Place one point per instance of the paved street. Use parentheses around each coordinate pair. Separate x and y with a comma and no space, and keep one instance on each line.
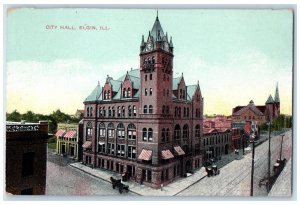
(234,178)
(64,180)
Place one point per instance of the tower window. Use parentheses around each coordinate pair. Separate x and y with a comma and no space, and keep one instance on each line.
(128,92)
(150,92)
(150,109)
(145,108)
(150,76)
(146,92)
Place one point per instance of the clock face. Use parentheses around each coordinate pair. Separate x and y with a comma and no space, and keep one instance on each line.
(149,46)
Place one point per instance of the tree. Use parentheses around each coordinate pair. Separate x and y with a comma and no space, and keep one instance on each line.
(15,116)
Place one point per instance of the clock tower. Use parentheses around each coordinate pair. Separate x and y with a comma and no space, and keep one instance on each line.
(156,71)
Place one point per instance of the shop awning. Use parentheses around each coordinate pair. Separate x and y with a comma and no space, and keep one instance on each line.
(60,133)
(70,134)
(87,144)
(179,151)
(167,154)
(145,155)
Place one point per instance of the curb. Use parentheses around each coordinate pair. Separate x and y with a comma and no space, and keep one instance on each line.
(99,177)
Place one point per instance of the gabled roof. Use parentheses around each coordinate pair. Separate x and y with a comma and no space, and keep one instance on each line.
(250,106)
(176,81)
(191,89)
(95,94)
(115,85)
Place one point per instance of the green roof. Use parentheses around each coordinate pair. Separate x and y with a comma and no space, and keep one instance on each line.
(176,81)
(191,89)
(270,100)
(95,95)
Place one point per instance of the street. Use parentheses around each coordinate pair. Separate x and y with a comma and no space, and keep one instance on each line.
(234,178)
(64,180)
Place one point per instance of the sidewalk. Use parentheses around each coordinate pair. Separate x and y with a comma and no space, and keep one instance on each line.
(169,190)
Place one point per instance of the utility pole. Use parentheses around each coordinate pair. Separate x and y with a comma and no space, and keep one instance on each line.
(269,158)
(281,148)
(252,168)
(253,127)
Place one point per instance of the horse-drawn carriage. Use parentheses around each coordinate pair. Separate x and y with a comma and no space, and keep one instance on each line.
(212,171)
(119,184)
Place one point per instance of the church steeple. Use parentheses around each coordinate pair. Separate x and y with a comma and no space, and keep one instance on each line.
(276,98)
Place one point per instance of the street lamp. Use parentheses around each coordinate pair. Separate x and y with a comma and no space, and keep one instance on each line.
(269,156)
(252,137)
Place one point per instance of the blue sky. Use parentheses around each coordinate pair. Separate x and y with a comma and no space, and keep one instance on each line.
(237,55)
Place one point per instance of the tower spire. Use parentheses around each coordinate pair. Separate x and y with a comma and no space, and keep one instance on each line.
(276,98)
(157,14)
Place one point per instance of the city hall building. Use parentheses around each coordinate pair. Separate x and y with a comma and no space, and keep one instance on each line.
(146,123)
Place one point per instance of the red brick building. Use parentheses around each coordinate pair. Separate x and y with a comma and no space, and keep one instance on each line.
(146,122)
(26,158)
(258,113)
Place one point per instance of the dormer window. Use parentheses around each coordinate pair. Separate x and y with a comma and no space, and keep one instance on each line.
(128,92)
(124,92)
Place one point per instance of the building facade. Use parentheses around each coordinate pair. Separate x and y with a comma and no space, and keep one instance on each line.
(26,158)
(146,122)
(260,113)
(68,138)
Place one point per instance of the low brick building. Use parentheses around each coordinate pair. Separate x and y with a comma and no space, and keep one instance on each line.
(69,136)
(26,158)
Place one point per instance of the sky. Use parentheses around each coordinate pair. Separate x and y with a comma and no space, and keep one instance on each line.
(236,55)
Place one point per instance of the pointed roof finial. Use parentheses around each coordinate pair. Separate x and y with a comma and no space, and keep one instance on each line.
(157,14)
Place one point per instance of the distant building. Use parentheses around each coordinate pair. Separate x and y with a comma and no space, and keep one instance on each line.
(26,158)
(79,114)
(68,140)
(260,113)
(146,122)
(216,142)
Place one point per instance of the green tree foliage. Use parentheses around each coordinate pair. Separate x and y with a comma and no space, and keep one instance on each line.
(54,118)
(283,121)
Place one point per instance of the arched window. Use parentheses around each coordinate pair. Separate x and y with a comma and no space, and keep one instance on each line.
(150,92)
(163,135)
(184,112)
(150,134)
(146,92)
(87,111)
(128,92)
(197,131)
(91,111)
(176,111)
(110,130)
(89,129)
(163,109)
(167,134)
(146,77)
(113,111)
(105,95)
(123,111)
(144,134)
(188,112)
(145,108)
(134,110)
(153,60)
(179,112)
(109,112)
(119,111)
(150,109)
(103,112)
(99,112)
(185,131)
(183,94)
(121,130)
(101,129)
(150,76)
(177,131)
(131,131)
(129,111)
(124,92)
(108,94)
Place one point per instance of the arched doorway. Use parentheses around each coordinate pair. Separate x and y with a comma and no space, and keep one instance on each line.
(188,167)
(226,149)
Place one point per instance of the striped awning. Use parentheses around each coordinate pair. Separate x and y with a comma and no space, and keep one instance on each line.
(87,144)
(60,133)
(145,155)
(70,134)
(166,154)
(179,151)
